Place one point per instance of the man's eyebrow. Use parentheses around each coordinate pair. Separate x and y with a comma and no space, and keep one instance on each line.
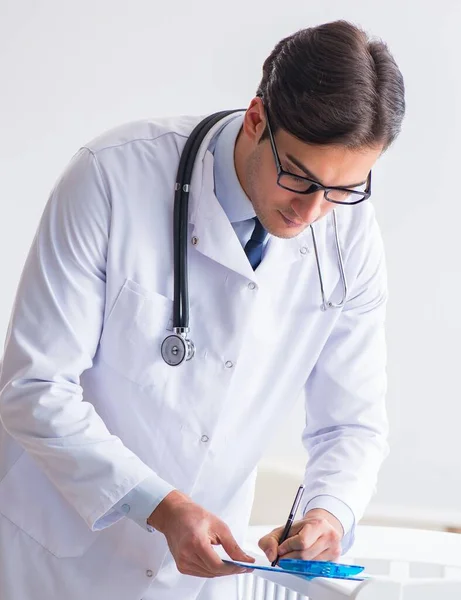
(311,175)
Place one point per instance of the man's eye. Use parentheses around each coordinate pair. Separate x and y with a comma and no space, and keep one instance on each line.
(295,177)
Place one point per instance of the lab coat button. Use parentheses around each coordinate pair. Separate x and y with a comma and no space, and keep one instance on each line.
(229,364)
(205,438)
(194,240)
(304,250)
(149,573)
(126,508)
(252,285)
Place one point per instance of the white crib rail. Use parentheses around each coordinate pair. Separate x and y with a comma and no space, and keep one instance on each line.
(404,565)
(267,586)
(262,587)
(259,588)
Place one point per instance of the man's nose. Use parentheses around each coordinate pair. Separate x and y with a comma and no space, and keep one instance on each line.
(308,208)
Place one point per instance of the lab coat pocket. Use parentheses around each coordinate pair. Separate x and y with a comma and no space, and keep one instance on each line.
(31,502)
(133,334)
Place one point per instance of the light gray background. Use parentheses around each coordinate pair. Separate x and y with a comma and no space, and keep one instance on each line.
(70,70)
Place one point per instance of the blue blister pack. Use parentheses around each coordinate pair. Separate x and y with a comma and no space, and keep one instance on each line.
(320,568)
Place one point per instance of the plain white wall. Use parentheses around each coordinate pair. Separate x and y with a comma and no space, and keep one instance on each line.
(70,70)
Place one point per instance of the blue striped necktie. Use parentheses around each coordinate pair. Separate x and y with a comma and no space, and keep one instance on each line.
(254,246)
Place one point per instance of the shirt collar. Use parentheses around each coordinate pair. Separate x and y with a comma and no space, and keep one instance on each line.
(228,190)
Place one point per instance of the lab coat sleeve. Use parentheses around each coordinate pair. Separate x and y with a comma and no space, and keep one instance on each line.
(139,503)
(52,338)
(337,508)
(346,422)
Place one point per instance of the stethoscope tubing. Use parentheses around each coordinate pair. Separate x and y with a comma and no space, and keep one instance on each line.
(181,216)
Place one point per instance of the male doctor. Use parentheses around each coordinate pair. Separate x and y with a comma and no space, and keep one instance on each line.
(119,472)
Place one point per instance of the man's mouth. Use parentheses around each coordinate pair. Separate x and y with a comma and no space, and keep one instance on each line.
(290,222)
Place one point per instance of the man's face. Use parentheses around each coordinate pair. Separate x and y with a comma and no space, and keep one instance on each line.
(282,212)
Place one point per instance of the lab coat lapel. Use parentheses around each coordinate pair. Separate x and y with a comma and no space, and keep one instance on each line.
(215,236)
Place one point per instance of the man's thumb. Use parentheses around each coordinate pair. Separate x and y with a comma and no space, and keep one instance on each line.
(269,546)
(233,549)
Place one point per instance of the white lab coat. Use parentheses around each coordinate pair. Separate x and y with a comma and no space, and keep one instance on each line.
(89,409)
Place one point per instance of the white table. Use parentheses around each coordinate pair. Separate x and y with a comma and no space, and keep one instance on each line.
(405,564)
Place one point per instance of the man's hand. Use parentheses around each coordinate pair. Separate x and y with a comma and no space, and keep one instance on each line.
(316,537)
(191,531)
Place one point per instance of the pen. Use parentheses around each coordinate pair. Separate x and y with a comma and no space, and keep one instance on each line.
(291,517)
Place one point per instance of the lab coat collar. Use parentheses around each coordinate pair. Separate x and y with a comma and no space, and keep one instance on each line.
(228,188)
(214,234)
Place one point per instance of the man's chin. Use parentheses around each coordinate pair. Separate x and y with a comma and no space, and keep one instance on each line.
(281,227)
(287,233)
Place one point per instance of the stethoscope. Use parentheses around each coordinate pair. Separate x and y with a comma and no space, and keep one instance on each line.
(177,348)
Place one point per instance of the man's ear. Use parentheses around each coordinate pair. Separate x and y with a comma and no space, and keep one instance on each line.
(254,121)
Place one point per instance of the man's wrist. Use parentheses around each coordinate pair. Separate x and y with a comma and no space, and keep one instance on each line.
(336,507)
(321,513)
(163,512)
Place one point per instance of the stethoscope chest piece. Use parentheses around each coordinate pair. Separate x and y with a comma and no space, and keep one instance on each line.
(176,349)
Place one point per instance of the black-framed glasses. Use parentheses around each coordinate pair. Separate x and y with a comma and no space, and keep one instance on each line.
(304,185)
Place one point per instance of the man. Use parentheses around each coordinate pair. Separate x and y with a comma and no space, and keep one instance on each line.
(118,472)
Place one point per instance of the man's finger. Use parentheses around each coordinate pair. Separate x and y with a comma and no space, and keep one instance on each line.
(330,554)
(195,567)
(213,564)
(232,548)
(319,547)
(199,559)
(269,547)
(306,538)
(269,543)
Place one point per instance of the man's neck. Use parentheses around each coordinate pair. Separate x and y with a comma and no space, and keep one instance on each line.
(240,158)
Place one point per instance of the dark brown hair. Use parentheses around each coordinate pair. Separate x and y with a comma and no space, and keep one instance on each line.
(331,84)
